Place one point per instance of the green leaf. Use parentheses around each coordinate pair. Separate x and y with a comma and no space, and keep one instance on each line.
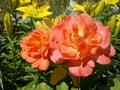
(28,69)
(58,74)
(116,84)
(34,23)
(26,26)
(1,82)
(75,79)
(118,77)
(62,86)
(103,87)
(30,86)
(75,88)
(43,86)
(31,76)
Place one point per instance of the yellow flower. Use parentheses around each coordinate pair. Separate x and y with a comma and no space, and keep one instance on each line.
(18,3)
(112,2)
(48,22)
(57,19)
(34,11)
(97,8)
(118,17)
(80,8)
(24,1)
(40,24)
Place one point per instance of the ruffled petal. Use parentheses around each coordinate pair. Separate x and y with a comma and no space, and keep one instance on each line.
(67,51)
(41,63)
(102,59)
(56,56)
(105,32)
(109,51)
(78,69)
(112,51)
(91,63)
(45,63)
(24,54)
(94,50)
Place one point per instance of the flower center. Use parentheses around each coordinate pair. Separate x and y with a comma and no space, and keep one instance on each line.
(83,43)
(76,38)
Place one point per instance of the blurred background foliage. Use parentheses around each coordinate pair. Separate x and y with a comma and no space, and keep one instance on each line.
(17,74)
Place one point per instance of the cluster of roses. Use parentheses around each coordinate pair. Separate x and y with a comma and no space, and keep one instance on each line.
(78,40)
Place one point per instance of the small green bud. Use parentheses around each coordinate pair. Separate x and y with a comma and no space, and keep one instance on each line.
(8,24)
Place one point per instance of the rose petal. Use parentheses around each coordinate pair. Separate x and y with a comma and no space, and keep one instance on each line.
(42,64)
(94,50)
(102,59)
(105,32)
(77,68)
(67,51)
(56,56)
(34,51)
(24,42)
(112,51)
(91,63)
(109,51)
(24,54)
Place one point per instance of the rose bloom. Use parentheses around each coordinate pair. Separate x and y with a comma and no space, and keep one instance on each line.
(81,41)
(35,48)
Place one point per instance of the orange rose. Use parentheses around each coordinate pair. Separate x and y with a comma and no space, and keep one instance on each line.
(35,48)
(81,41)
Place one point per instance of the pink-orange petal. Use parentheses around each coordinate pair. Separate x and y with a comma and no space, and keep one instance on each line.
(41,63)
(56,56)
(112,51)
(102,59)
(76,68)
(91,63)
(94,50)
(24,42)
(44,64)
(34,51)
(36,63)
(105,32)
(68,51)
(24,54)
(109,51)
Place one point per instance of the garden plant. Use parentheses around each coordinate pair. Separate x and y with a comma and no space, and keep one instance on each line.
(59,44)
